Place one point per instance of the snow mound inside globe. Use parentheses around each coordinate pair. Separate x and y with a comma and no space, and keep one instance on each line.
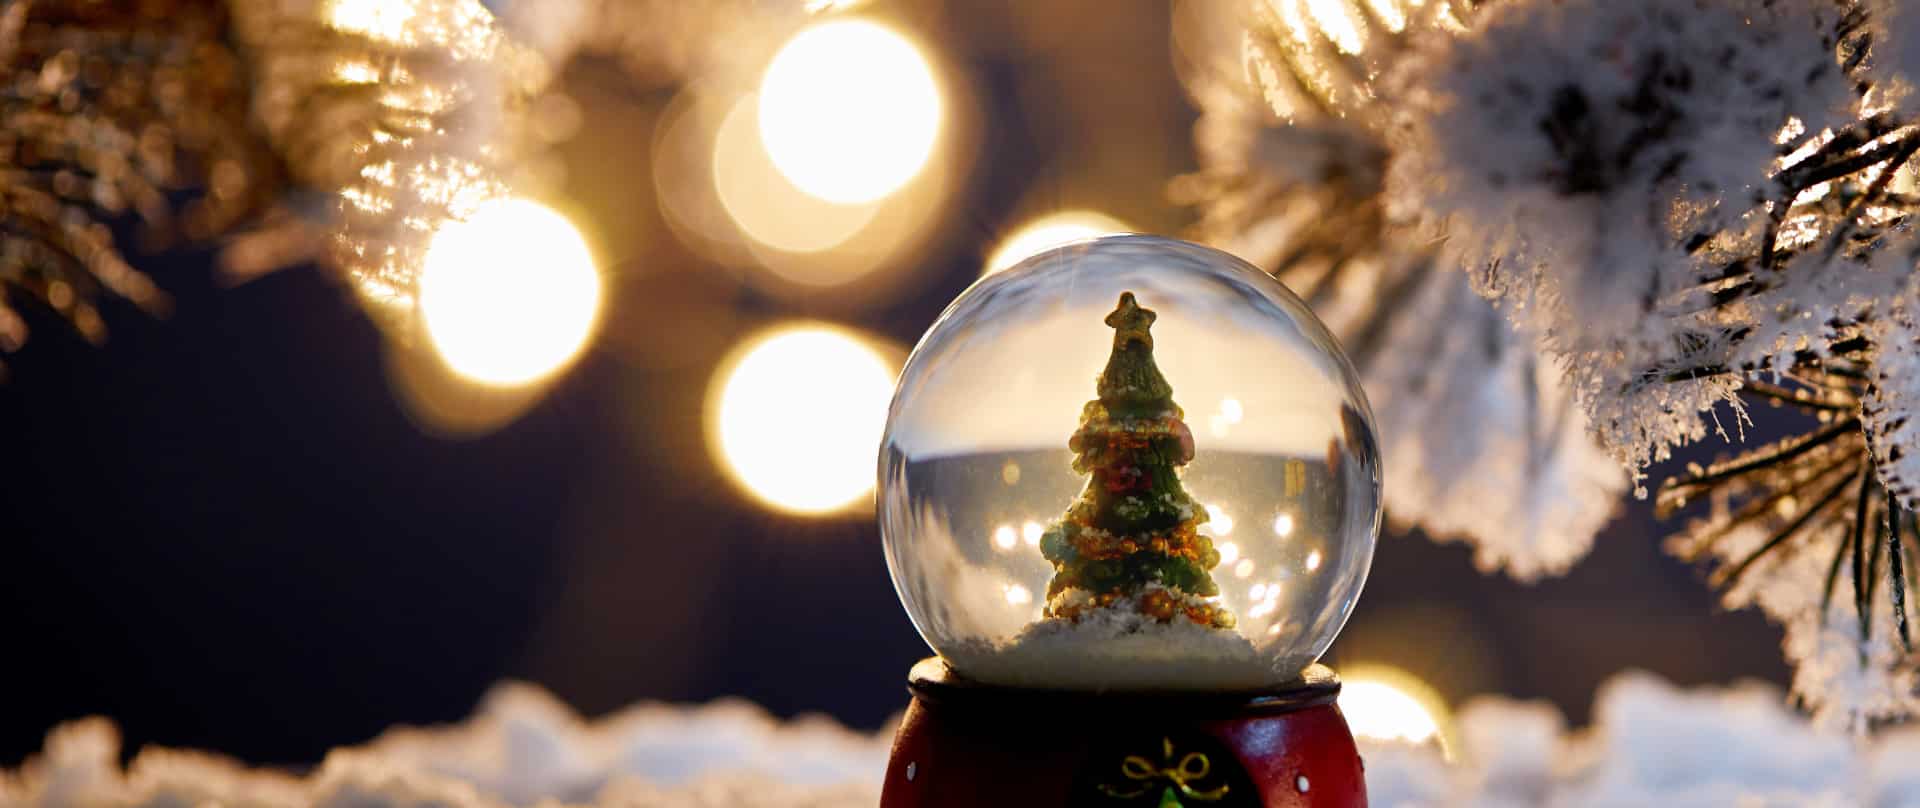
(982,508)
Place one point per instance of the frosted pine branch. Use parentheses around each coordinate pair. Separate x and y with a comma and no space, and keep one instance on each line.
(119,115)
(1708,199)
(409,119)
(1568,152)
(1697,206)
(1889,407)
(1813,541)
(1470,410)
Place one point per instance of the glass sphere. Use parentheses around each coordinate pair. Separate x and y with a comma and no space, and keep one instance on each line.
(1053,518)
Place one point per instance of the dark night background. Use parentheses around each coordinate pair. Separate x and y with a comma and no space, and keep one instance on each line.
(220,529)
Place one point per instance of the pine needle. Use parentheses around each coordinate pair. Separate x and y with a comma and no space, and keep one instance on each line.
(1732,576)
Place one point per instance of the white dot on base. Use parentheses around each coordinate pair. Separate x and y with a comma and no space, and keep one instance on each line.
(1298,782)
(913,768)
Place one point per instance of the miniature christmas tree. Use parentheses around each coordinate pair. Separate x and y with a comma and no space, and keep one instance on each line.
(1131,540)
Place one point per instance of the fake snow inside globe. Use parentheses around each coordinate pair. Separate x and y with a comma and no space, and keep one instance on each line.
(1134,464)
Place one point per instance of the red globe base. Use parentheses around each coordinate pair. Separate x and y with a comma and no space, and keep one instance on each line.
(967,745)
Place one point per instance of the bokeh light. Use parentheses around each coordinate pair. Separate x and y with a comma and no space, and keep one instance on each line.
(447,405)
(510,294)
(466,28)
(1388,704)
(796,416)
(849,110)
(1052,230)
(769,208)
(379,19)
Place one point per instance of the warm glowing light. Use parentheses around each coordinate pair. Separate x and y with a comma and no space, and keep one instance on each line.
(1336,21)
(849,110)
(1219,522)
(380,19)
(1018,595)
(1283,525)
(1243,569)
(1313,560)
(1010,473)
(1229,552)
(1231,412)
(464,27)
(1005,538)
(1390,14)
(510,294)
(1049,231)
(798,417)
(1032,531)
(768,208)
(1387,704)
(445,404)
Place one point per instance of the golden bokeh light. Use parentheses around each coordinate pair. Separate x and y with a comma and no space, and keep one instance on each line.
(465,27)
(509,295)
(445,404)
(1049,231)
(1031,532)
(379,19)
(683,157)
(849,110)
(1339,22)
(768,207)
(1219,522)
(796,415)
(1005,538)
(1388,704)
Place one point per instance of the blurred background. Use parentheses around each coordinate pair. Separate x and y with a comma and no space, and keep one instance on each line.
(266,526)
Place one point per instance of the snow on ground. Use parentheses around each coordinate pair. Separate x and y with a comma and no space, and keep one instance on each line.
(1119,648)
(1652,744)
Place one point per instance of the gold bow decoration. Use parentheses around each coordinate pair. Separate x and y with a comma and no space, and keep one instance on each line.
(1143,775)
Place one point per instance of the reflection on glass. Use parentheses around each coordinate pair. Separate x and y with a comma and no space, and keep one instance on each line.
(1049,231)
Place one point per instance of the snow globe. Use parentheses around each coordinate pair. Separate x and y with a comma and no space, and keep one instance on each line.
(1129,491)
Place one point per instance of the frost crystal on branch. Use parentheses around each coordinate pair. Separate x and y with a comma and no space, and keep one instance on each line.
(1487,446)
(1811,538)
(1893,61)
(1702,199)
(1696,205)
(1887,410)
(1571,153)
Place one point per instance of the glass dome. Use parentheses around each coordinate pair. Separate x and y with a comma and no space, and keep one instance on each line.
(1129,463)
